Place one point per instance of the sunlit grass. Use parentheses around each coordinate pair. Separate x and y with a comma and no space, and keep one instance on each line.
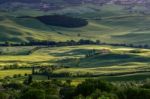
(96,65)
(5,73)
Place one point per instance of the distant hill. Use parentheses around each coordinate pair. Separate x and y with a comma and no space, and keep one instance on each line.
(47,5)
(110,21)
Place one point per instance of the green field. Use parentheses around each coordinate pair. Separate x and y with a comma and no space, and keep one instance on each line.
(10,73)
(74,49)
(122,61)
(109,23)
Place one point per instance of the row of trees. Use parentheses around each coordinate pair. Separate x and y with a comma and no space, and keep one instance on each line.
(71,43)
(52,43)
(132,45)
(49,72)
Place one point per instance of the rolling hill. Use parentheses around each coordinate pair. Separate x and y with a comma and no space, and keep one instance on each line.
(110,23)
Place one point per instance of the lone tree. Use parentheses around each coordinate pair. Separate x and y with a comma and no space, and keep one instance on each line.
(29,80)
(33,70)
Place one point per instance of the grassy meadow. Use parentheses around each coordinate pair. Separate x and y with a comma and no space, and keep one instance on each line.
(120,62)
(89,51)
(11,73)
(109,23)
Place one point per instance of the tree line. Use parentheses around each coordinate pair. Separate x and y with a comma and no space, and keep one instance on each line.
(52,43)
(72,43)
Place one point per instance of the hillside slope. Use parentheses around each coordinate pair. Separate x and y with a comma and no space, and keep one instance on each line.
(108,23)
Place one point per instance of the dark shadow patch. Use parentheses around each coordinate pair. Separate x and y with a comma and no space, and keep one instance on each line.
(62,21)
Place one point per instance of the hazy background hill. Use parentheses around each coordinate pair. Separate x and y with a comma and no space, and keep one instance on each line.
(113,21)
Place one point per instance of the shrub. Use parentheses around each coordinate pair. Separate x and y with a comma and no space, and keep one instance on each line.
(4,95)
(134,93)
(33,94)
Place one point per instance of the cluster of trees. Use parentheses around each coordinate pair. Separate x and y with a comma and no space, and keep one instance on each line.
(14,66)
(50,74)
(48,71)
(98,89)
(17,66)
(88,89)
